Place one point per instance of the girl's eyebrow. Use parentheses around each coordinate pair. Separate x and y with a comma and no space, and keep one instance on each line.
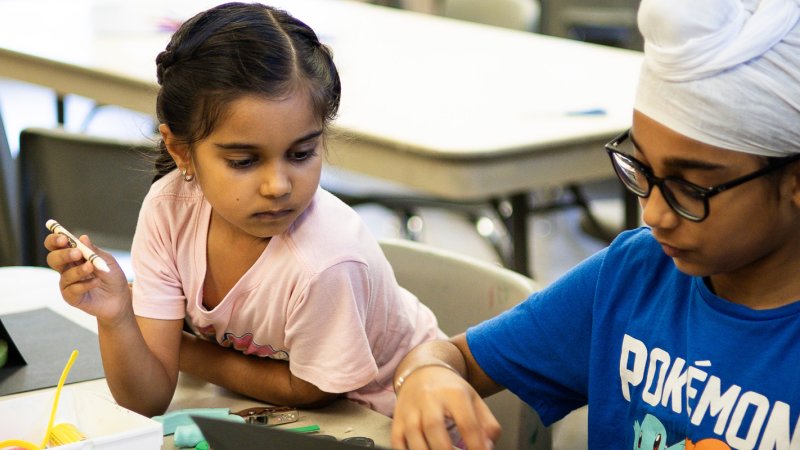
(310,136)
(682,163)
(248,146)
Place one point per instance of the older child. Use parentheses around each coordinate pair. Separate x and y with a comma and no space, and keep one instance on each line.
(289,297)
(683,334)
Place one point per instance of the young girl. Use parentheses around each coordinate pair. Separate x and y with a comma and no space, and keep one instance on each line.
(288,296)
(685,334)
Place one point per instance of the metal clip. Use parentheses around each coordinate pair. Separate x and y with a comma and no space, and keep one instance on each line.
(269,415)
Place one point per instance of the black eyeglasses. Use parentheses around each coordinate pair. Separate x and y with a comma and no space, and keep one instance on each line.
(687,199)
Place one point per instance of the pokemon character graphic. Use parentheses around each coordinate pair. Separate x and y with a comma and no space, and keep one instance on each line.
(707,444)
(651,435)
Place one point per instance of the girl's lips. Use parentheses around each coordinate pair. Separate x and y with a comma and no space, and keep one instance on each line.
(671,251)
(273,214)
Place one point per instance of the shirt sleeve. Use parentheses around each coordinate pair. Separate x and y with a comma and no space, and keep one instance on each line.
(157,289)
(540,349)
(326,330)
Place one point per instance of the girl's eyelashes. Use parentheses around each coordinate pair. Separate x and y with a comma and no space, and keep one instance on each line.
(304,150)
(301,155)
(293,156)
(244,161)
(240,163)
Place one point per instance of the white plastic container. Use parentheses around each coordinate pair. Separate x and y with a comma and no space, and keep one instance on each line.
(106,425)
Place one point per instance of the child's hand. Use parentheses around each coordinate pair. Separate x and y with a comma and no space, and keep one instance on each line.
(106,296)
(431,397)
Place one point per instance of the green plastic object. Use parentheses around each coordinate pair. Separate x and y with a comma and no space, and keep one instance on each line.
(202,445)
(172,420)
(305,429)
(3,352)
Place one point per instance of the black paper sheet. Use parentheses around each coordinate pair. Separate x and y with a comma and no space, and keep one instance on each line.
(44,340)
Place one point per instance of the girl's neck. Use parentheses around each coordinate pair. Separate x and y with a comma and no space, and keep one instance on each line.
(228,257)
(769,283)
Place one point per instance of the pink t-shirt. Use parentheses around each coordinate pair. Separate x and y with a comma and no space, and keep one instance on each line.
(321,296)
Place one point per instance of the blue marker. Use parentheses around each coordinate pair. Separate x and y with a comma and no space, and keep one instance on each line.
(588,112)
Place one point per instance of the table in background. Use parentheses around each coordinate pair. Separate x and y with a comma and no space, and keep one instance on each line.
(27,288)
(457,110)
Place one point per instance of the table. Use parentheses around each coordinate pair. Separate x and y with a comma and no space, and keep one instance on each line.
(460,111)
(27,288)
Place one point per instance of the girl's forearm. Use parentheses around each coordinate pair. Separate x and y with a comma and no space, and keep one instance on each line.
(453,354)
(264,379)
(433,353)
(136,377)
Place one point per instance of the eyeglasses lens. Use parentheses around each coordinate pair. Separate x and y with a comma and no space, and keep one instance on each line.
(685,199)
(682,197)
(630,174)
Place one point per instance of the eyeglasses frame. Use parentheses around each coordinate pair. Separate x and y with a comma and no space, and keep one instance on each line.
(703,193)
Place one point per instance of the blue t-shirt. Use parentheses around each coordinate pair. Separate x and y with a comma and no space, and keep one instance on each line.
(660,359)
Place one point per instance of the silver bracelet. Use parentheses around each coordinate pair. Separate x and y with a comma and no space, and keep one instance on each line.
(398,382)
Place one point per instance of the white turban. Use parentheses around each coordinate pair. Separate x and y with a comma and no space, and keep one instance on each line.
(724,72)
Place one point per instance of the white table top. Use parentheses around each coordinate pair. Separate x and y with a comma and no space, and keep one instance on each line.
(27,288)
(452,108)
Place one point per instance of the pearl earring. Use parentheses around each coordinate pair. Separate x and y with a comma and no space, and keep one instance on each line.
(186,176)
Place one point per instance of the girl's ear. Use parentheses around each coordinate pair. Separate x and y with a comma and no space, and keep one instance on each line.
(177,149)
(794,178)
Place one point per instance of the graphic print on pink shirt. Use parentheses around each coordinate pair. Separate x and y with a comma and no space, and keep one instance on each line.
(246,345)
(243,343)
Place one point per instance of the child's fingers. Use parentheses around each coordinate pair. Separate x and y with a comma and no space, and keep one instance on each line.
(489,424)
(436,435)
(422,429)
(76,281)
(76,274)
(468,420)
(60,255)
(55,242)
(62,259)
(74,289)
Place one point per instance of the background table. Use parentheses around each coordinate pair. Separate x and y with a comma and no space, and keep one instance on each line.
(27,288)
(461,111)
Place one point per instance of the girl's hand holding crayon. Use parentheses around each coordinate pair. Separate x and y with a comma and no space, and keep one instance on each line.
(103,295)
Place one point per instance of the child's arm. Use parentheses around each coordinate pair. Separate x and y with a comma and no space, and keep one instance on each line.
(441,380)
(265,379)
(140,359)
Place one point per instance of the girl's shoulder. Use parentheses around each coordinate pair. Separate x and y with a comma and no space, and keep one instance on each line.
(173,186)
(635,256)
(171,204)
(636,243)
(328,217)
(633,253)
(330,231)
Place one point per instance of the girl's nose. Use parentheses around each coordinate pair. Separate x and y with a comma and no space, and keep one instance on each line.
(656,212)
(275,182)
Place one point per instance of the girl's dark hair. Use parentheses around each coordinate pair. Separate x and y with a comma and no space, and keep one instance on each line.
(232,50)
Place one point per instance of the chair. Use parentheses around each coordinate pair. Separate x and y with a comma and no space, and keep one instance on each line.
(9,214)
(610,22)
(91,185)
(515,14)
(464,291)
(407,205)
